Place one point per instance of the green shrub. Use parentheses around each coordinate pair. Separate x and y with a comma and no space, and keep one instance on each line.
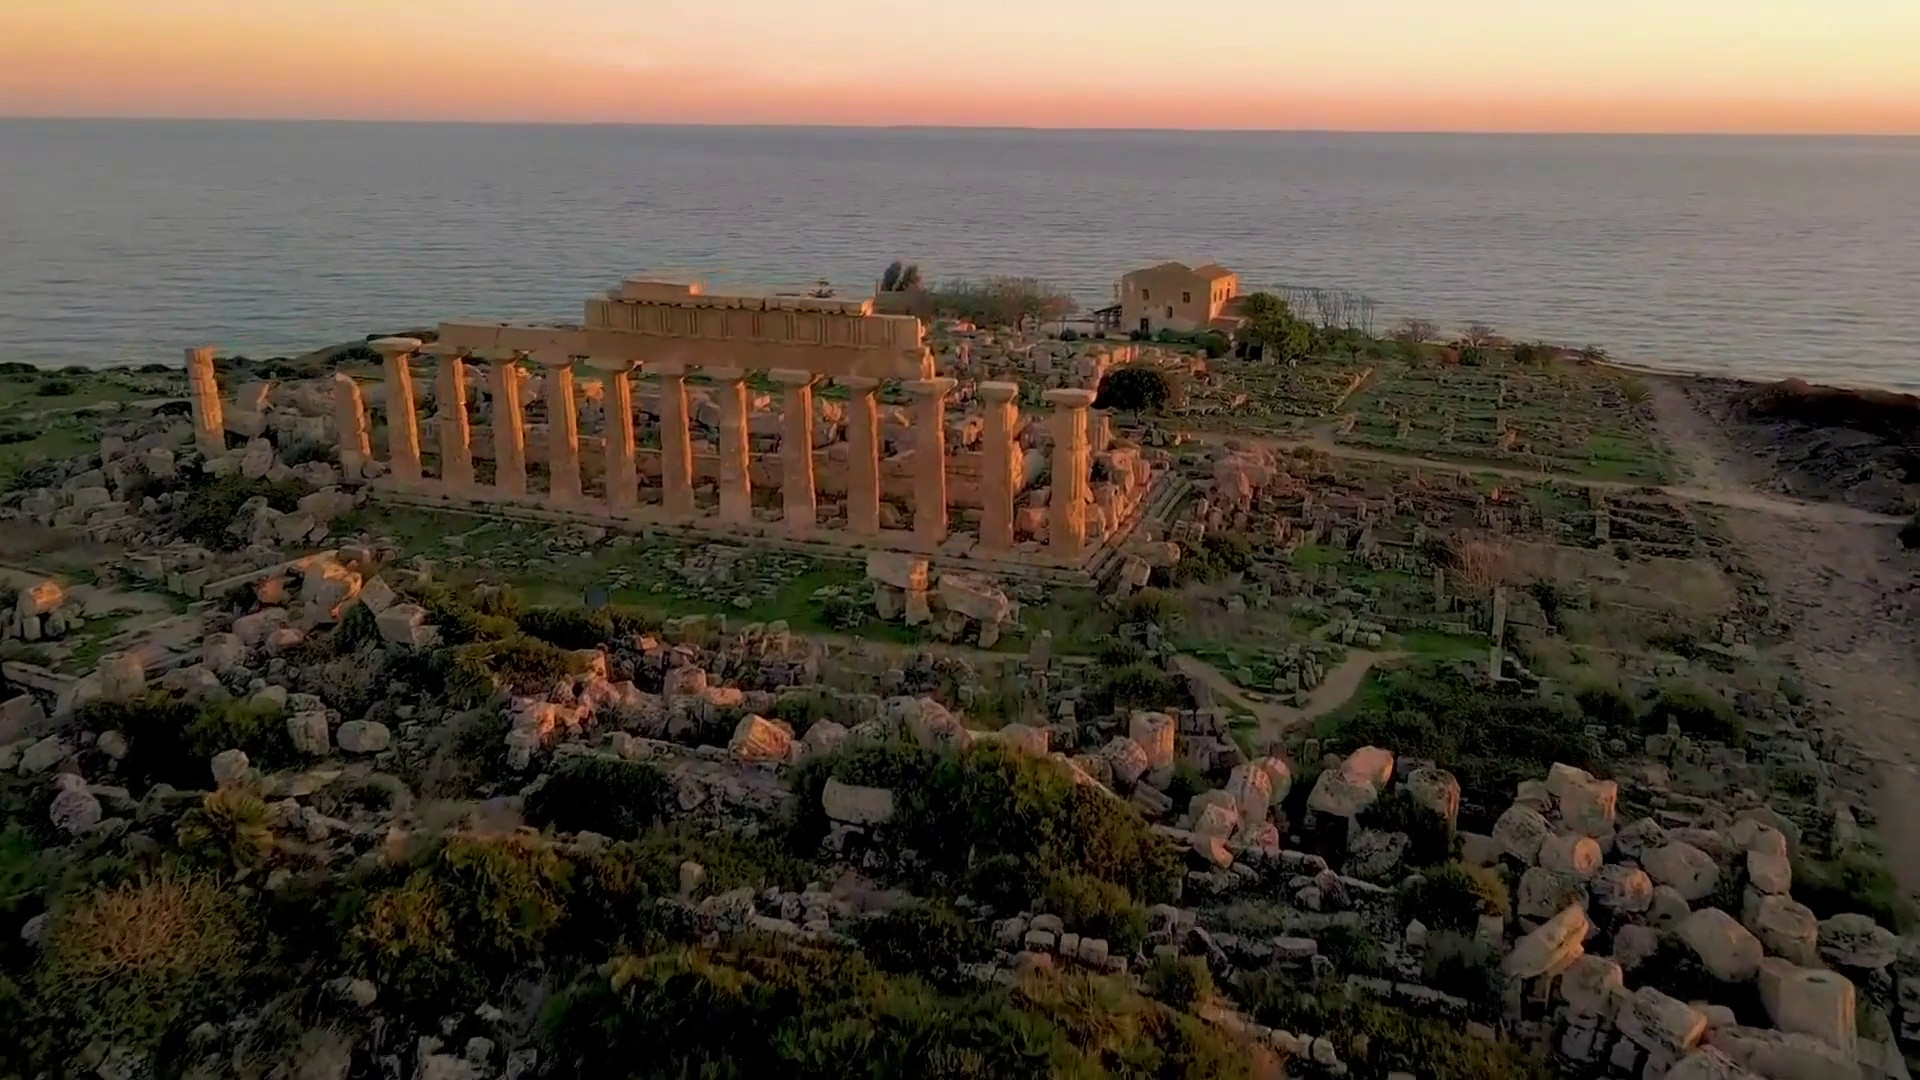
(1138,686)
(995,822)
(1857,881)
(1465,965)
(205,508)
(807,706)
(470,913)
(1098,909)
(1700,713)
(1489,738)
(1454,896)
(1215,344)
(923,937)
(615,798)
(1429,836)
(1149,606)
(170,739)
(229,830)
(1133,388)
(1187,782)
(569,628)
(1396,1040)
(55,388)
(1608,706)
(1180,981)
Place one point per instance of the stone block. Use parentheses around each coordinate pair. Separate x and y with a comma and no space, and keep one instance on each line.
(1661,1024)
(364,737)
(756,738)
(1728,950)
(1691,872)
(1520,831)
(856,805)
(1550,946)
(1811,1002)
(900,571)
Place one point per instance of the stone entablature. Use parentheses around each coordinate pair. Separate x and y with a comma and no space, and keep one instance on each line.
(799,343)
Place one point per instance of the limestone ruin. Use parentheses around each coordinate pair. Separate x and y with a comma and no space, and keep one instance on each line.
(1039,498)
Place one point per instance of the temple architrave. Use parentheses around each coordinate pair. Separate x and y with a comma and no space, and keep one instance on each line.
(650,418)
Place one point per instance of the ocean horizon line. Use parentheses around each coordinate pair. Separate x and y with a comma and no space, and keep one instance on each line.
(667,125)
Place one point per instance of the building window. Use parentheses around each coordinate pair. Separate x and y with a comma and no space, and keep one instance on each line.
(1146,296)
(1186,298)
(1169,311)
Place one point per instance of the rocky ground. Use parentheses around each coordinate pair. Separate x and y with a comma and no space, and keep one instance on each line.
(1360,770)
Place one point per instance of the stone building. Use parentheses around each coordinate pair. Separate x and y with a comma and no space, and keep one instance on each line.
(1175,296)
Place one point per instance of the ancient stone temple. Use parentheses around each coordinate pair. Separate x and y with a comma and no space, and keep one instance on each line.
(803,422)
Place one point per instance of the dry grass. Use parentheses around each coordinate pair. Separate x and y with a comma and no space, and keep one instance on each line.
(1482,565)
(154,930)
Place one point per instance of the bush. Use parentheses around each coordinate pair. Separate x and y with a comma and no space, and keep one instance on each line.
(144,960)
(55,388)
(170,739)
(1489,738)
(922,937)
(1149,606)
(568,628)
(1608,706)
(805,707)
(1180,981)
(1133,388)
(1138,686)
(1094,908)
(996,823)
(1465,965)
(1215,344)
(1454,896)
(206,508)
(1857,881)
(470,913)
(615,798)
(227,831)
(1429,837)
(1699,712)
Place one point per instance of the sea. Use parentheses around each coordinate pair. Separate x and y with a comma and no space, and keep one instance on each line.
(128,241)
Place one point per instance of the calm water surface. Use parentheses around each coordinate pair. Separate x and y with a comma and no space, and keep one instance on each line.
(127,241)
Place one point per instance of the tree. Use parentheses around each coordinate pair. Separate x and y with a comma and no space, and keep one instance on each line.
(900,277)
(1413,331)
(1271,324)
(1478,335)
(1134,388)
(822,289)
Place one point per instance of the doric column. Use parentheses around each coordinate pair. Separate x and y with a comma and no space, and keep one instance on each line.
(209,418)
(456,434)
(403,425)
(736,480)
(1067,524)
(863,454)
(676,439)
(350,416)
(623,479)
(930,458)
(796,451)
(563,431)
(996,465)
(509,430)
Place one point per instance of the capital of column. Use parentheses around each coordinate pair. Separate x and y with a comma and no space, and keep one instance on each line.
(997,392)
(1070,398)
(437,349)
(499,356)
(554,360)
(394,346)
(733,375)
(611,365)
(786,377)
(934,387)
(666,369)
(859,384)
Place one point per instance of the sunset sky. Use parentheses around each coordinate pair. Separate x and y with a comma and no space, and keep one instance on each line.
(1557,65)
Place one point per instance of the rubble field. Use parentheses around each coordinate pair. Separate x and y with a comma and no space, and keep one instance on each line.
(1429,736)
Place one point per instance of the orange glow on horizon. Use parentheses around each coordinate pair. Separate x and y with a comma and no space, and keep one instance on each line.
(435,60)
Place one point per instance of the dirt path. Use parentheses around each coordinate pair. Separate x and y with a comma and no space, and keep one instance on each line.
(1851,595)
(1276,720)
(1708,488)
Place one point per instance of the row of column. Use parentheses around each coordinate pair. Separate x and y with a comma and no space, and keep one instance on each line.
(1000,486)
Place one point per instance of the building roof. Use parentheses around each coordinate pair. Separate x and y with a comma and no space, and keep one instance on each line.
(1206,272)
